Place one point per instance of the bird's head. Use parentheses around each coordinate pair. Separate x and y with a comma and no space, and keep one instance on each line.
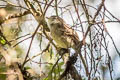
(54,20)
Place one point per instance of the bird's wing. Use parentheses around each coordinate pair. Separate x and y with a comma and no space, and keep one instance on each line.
(72,33)
(67,30)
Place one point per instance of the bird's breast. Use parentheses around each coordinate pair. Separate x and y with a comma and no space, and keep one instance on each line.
(58,38)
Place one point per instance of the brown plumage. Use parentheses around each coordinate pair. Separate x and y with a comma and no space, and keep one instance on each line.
(62,34)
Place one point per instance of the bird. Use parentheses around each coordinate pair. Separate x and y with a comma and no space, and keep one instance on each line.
(62,33)
(65,38)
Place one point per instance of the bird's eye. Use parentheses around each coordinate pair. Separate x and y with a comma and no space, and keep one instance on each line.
(54,17)
(52,24)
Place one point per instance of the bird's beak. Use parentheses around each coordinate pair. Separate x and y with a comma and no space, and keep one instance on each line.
(47,18)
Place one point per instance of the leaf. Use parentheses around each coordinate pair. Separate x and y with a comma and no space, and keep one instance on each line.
(2,69)
(61,63)
(2,40)
(2,76)
(51,52)
(27,67)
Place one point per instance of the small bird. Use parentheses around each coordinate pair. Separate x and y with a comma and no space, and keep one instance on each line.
(61,33)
